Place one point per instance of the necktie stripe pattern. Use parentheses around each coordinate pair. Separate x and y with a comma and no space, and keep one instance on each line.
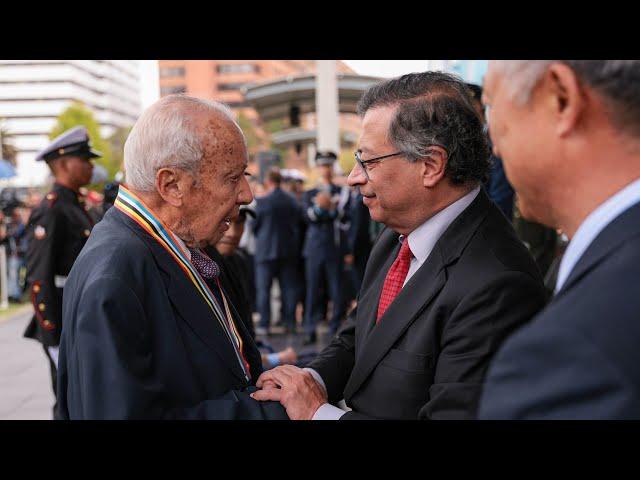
(395,278)
(135,209)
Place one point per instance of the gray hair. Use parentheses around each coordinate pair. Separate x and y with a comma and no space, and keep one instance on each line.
(164,136)
(434,108)
(617,81)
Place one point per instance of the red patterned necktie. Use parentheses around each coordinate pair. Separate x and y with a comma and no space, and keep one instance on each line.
(395,278)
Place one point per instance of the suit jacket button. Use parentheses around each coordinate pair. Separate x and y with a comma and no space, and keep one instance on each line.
(87,233)
(42,307)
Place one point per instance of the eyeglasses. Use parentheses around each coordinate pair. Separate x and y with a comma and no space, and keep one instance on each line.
(363,163)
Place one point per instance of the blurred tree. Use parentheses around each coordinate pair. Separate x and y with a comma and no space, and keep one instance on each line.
(116,143)
(78,114)
(254,142)
(346,160)
(8,151)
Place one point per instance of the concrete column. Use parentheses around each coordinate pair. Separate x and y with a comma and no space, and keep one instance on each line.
(327,119)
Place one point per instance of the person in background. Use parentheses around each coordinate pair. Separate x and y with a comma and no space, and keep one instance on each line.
(57,231)
(326,209)
(235,278)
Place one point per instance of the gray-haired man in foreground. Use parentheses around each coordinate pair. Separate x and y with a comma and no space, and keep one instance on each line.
(149,333)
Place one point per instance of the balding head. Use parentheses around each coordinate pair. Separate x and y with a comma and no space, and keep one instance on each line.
(176,131)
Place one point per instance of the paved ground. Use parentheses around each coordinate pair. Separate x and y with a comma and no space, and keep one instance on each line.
(25,381)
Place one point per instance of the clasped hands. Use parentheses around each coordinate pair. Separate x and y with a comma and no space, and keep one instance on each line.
(294,388)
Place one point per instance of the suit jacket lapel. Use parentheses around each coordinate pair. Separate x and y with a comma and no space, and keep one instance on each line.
(624,227)
(189,303)
(415,296)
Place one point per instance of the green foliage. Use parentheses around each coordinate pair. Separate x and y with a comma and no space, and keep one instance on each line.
(346,160)
(116,143)
(7,151)
(78,114)
(249,130)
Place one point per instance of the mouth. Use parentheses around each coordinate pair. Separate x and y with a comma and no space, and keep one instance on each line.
(226,223)
(368,198)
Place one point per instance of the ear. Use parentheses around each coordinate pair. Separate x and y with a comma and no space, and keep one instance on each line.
(433,166)
(567,99)
(171,184)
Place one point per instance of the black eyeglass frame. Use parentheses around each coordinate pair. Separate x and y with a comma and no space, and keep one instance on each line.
(363,163)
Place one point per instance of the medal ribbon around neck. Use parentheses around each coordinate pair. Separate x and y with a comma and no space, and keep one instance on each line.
(135,209)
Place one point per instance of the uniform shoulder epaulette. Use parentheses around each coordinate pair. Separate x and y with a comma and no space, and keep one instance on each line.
(51,198)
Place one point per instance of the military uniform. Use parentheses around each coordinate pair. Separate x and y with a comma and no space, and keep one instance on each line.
(324,248)
(57,230)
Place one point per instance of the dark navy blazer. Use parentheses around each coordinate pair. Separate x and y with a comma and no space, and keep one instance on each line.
(277,226)
(580,357)
(139,342)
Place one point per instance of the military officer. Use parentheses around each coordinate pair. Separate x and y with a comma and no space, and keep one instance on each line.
(326,210)
(57,230)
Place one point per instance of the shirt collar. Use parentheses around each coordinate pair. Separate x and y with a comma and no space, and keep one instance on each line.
(595,222)
(182,245)
(424,238)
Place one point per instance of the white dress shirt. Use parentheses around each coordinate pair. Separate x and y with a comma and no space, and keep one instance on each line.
(595,222)
(421,242)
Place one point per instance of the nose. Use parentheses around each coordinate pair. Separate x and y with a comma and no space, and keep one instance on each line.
(244,196)
(356,176)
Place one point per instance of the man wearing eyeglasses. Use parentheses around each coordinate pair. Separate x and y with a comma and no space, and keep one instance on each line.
(446,281)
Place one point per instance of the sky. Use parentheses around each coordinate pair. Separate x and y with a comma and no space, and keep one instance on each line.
(387,68)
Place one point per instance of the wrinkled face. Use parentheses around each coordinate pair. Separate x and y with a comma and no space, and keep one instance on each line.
(78,170)
(522,137)
(231,238)
(390,190)
(220,187)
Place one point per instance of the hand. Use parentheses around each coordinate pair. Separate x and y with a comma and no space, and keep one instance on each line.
(348,259)
(323,200)
(299,393)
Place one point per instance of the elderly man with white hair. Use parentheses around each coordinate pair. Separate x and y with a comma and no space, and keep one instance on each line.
(568,132)
(149,331)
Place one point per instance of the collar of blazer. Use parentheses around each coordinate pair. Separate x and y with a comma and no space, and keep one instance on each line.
(188,303)
(420,290)
(620,230)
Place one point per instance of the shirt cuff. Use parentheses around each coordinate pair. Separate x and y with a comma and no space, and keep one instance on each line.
(328,412)
(316,376)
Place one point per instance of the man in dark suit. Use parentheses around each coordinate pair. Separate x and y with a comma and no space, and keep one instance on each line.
(149,332)
(277,237)
(577,359)
(326,209)
(446,281)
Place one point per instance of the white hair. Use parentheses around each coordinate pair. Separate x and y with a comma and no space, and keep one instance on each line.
(616,81)
(522,75)
(165,136)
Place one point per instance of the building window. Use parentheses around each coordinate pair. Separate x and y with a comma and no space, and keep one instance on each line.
(225,87)
(238,68)
(172,89)
(166,72)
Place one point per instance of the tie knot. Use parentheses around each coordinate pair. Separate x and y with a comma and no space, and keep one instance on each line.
(405,249)
(207,267)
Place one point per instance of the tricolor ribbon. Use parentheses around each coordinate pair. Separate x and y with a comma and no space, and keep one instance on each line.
(135,208)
